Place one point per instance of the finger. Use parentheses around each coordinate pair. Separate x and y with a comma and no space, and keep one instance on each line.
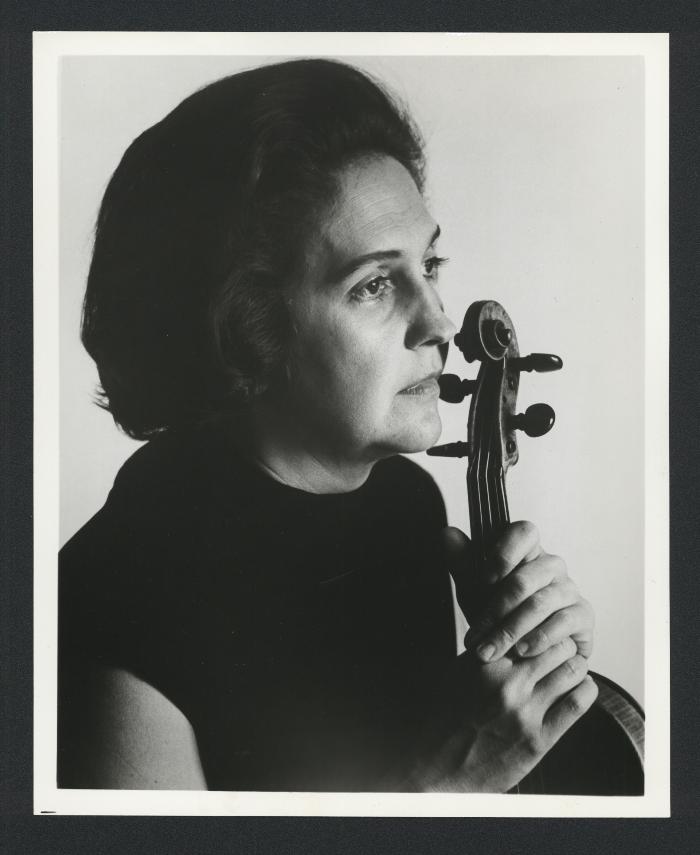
(519,542)
(540,666)
(517,587)
(561,680)
(534,611)
(568,710)
(575,621)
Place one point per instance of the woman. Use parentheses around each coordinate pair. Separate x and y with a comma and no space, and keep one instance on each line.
(263,603)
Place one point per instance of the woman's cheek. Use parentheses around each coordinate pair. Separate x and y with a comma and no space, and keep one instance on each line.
(345,360)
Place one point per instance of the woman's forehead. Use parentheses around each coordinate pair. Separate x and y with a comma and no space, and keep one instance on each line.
(377,208)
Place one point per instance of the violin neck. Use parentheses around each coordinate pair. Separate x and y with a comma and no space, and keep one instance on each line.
(486,486)
(488,505)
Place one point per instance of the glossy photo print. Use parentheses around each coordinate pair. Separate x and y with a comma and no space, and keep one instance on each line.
(350,497)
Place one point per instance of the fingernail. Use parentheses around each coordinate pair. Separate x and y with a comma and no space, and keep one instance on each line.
(486,651)
(522,647)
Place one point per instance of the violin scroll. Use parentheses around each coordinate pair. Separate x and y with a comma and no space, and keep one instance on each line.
(487,333)
(488,336)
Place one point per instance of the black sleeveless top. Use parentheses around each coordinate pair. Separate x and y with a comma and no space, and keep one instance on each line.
(300,634)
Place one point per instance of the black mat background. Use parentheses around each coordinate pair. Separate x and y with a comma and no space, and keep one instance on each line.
(23,833)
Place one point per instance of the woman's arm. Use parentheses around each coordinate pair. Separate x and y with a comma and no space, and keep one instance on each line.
(118,732)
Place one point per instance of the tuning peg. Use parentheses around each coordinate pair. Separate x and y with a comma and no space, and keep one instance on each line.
(450,449)
(539,362)
(453,389)
(537,420)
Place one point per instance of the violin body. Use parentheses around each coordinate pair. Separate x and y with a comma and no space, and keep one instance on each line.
(603,753)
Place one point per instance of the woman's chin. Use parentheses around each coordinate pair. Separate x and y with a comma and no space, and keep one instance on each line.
(418,437)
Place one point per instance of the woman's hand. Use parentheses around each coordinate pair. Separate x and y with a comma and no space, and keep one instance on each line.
(531,603)
(503,713)
(499,719)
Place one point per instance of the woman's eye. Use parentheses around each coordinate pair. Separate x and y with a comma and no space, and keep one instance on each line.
(375,289)
(433,264)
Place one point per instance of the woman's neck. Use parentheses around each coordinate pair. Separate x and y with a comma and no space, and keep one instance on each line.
(294,460)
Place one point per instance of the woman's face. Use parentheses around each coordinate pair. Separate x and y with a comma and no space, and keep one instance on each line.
(369,321)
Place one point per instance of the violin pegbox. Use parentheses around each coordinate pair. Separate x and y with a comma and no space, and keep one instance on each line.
(488,336)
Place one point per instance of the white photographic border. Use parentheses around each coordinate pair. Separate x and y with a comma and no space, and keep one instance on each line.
(49,49)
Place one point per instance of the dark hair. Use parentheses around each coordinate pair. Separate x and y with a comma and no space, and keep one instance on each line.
(202,224)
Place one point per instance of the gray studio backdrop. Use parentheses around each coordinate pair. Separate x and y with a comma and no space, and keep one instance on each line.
(536,176)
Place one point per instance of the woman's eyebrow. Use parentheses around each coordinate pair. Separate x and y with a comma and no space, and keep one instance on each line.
(354,264)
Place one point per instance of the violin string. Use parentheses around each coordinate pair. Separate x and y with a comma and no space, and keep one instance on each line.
(487,490)
(499,473)
(477,515)
(483,494)
(499,492)
(491,495)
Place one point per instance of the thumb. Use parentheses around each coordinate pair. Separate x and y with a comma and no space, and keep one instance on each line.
(455,543)
(457,555)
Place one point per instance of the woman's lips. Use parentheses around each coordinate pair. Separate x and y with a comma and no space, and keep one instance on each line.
(429,386)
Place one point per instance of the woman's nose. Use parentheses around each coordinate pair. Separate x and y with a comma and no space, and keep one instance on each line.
(428,322)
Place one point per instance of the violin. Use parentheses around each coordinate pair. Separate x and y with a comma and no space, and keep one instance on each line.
(603,753)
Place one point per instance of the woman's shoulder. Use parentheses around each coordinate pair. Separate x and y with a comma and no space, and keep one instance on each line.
(166,479)
(140,495)
(168,462)
(150,527)
(133,579)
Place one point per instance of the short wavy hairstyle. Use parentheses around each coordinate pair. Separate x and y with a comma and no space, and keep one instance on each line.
(204,223)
